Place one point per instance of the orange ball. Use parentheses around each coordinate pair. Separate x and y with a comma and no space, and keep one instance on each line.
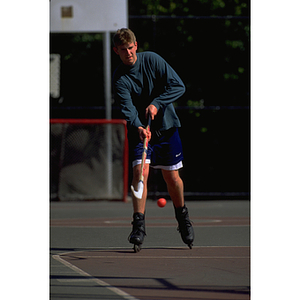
(161,202)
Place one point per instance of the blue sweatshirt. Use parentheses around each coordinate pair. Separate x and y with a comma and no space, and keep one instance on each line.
(151,80)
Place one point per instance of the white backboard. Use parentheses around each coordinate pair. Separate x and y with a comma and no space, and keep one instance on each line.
(88,15)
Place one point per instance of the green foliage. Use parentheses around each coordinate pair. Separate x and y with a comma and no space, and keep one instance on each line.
(216,48)
(189,7)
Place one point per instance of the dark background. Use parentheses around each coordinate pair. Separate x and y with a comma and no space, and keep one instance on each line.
(208,45)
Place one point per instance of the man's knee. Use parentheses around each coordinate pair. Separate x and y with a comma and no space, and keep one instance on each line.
(171,177)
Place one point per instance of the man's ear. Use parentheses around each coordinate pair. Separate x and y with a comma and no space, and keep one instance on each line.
(116,50)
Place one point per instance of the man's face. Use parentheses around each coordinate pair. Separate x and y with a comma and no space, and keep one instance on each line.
(127,53)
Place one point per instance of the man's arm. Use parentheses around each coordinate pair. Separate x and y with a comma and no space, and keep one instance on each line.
(122,95)
(173,86)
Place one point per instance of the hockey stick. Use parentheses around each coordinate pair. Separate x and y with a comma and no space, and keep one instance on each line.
(139,193)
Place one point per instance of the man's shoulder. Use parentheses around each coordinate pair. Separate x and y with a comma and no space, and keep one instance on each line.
(151,57)
(117,73)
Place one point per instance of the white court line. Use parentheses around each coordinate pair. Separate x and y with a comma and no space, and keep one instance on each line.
(98,281)
(145,248)
(76,254)
(160,257)
(72,253)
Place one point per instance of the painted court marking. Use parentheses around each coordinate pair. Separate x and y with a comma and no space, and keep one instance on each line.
(151,221)
(159,257)
(119,292)
(96,249)
(91,278)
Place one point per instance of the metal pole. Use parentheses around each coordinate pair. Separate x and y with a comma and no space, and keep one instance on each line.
(107,75)
(108,97)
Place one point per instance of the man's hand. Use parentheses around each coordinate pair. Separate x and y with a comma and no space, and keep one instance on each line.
(152,111)
(144,133)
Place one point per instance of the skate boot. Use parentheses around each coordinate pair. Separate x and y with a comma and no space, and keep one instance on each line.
(184,225)
(136,237)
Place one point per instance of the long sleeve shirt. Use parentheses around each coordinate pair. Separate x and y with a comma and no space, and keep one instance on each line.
(151,80)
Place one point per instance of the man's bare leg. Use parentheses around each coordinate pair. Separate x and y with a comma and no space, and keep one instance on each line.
(175,189)
(138,232)
(140,204)
(175,186)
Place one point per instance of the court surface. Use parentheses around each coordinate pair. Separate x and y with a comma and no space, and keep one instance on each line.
(90,257)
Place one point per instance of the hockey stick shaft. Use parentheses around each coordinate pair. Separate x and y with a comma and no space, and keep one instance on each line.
(144,155)
(139,193)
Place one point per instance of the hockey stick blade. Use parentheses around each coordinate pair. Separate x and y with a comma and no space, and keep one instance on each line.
(139,193)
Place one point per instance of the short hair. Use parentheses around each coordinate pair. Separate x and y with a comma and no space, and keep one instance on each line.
(124,36)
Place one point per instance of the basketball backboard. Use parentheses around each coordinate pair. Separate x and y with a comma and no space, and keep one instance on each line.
(88,15)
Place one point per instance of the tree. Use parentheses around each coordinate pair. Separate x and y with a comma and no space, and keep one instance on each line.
(207,42)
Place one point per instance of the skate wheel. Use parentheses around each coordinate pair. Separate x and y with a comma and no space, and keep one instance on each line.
(137,248)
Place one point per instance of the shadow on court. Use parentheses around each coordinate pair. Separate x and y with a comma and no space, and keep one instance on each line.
(92,259)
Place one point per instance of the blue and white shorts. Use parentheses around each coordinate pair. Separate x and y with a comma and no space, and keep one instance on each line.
(164,150)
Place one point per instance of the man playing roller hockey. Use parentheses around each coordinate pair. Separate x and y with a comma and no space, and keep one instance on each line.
(146,85)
